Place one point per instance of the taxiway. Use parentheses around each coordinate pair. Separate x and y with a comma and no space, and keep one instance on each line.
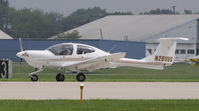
(99,90)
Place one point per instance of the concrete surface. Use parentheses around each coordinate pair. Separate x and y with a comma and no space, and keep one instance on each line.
(99,90)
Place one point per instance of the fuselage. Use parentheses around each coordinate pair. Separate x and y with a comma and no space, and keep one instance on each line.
(81,57)
(56,56)
(70,55)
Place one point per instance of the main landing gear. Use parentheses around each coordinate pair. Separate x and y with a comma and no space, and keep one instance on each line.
(81,77)
(60,77)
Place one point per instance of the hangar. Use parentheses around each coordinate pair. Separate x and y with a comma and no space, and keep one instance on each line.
(9,48)
(146,28)
(3,35)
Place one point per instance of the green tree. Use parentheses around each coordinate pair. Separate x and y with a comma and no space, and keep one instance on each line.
(4,6)
(57,19)
(73,35)
(29,23)
(158,11)
(187,11)
(121,13)
(83,16)
(34,23)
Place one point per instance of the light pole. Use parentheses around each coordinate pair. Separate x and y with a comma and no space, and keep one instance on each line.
(174,9)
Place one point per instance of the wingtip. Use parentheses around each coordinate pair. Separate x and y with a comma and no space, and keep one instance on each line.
(173,38)
(183,38)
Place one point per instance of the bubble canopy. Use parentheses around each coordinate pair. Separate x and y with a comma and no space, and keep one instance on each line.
(68,48)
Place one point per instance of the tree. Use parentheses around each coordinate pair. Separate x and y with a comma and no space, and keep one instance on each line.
(121,13)
(83,16)
(73,35)
(56,19)
(158,11)
(34,23)
(29,23)
(4,6)
(187,11)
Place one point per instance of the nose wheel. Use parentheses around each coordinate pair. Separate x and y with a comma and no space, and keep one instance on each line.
(60,77)
(81,77)
(34,78)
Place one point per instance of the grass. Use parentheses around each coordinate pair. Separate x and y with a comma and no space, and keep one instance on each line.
(174,73)
(99,105)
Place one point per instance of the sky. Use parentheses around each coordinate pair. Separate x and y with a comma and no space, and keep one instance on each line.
(66,7)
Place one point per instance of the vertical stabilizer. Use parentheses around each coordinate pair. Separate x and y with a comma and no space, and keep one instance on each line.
(165,52)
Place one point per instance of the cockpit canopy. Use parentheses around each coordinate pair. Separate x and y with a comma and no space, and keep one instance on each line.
(67,49)
(61,49)
(81,49)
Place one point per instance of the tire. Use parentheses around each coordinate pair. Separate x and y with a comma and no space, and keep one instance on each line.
(34,78)
(60,77)
(81,77)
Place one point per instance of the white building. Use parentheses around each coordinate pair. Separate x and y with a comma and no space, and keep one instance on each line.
(147,28)
(3,35)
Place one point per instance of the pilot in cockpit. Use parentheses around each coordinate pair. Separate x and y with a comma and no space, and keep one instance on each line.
(66,50)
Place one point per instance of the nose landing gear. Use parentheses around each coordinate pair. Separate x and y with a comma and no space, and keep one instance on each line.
(33,76)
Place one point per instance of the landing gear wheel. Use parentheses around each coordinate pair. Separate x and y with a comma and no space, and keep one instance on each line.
(34,78)
(81,77)
(60,77)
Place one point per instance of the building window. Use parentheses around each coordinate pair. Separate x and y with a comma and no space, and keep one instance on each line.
(182,51)
(190,51)
(177,51)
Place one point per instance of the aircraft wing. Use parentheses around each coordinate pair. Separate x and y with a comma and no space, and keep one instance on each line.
(96,63)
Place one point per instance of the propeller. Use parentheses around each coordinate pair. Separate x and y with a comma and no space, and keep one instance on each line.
(21,45)
(21,48)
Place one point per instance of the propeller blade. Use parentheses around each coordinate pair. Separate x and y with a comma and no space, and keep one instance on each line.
(20,44)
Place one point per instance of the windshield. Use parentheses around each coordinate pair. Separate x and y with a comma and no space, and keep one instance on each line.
(61,49)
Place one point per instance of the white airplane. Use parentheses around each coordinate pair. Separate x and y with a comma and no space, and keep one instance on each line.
(80,57)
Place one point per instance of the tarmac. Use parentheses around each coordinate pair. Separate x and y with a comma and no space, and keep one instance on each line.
(98,90)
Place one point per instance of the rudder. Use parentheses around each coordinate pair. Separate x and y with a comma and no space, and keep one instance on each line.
(165,52)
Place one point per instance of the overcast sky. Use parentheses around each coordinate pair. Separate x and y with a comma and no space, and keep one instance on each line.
(68,6)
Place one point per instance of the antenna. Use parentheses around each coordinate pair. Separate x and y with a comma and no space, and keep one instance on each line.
(112,48)
(20,44)
(101,34)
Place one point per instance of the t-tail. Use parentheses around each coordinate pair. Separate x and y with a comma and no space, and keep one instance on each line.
(165,52)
